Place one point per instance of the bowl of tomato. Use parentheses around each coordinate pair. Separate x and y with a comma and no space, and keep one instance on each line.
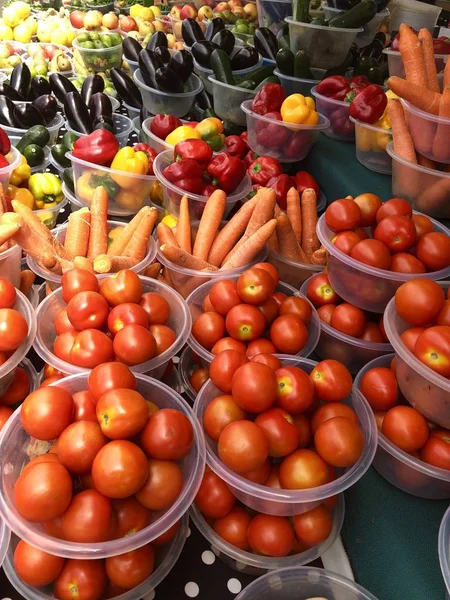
(192,373)
(444,549)
(25,380)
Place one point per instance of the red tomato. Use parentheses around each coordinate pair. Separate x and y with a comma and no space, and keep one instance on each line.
(167,536)
(373,253)
(79,444)
(121,413)
(409,337)
(81,580)
(339,442)
(348,319)
(270,536)
(13,329)
(223,296)
(243,446)
(320,291)
(406,263)
(255,286)
(208,328)
(270,269)
(422,224)
(361,233)
(279,297)
(314,526)
(330,411)
(398,233)
(270,309)
(132,568)
(126,314)
(219,413)
(88,518)
(46,412)
(224,366)
(267,359)
(36,567)
(289,334)
(272,481)
(303,469)
(372,333)
(394,207)
(406,428)
(443,317)
(433,349)
(228,343)
(332,381)
(18,389)
(63,344)
(120,469)
(124,286)
(8,294)
(436,450)
(109,376)
(162,486)
(233,527)
(214,499)
(134,345)
(295,390)
(260,346)
(245,322)
(325,312)
(198,378)
(343,214)
(91,348)
(345,241)
(156,307)
(77,280)
(5,413)
(164,336)
(418,301)
(369,205)
(207,306)
(254,387)
(295,305)
(379,387)
(258,475)
(168,435)
(88,310)
(280,430)
(302,424)
(433,249)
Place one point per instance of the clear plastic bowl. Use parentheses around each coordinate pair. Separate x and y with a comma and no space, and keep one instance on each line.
(304,583)
(369,29)
(5,536)
(100,59)
(53,130)
(293,272)
(14,158)
(76,204)
(133,64)
(338,113)
(415,14)
(152,140)
(59,168)
(33,375)
(351,351)
(23,306)
(254,564)
(296,85)
(402,470)
(49,216)
(180,321)
(444,550)
(300,137)
(290,502)
(172,194)
(271,13)
(395,63)
(123,126)
(156,101)
(187,366)
(10,264)
(47,156)
(424,127)
(228,99)
(326,47)
(195,301)
(364,286)
(371,142)
(205,73)
(132,111)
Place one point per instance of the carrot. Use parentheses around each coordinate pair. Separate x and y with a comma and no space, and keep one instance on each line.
(27,278)
(294,212)
(417,95)
(104,263)
(434,200)
(162,279)
(403,143)
(167,276)
(152,271)
(423,161)
(426,40)
(83,263)
(287,242)
(8,231)
(137,246)
(51,262)
(78,231)
(165,235)
(447,73)
(441,145)
(273,243)
(183,230)
(319,257)
(48,289)
(184,259)
(118,245)
(252,246)
(209,224)
(98,239)
(66,265)
(310,242)
(412,56)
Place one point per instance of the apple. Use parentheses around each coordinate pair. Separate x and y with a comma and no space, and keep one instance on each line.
(251,11)
(239,12)
(93,20)
(128,24)
(175,11)
(234,4)
(139,20)
(159,26)
(205,12)
(178,46)
(4,51)
(188,12)
(32,49)
(110,20)
(51,50)
(77,19)
(222,6)
(145,28)
(135,35)
(171,41)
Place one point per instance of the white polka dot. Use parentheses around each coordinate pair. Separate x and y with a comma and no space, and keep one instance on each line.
(208,557)
(234,585)
(191,590)
(150,595)
(189,532)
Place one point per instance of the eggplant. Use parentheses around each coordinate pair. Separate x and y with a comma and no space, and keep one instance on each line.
(149,62)
(266,43)
(202,51)
(244,58)
(6,112)
(20,79)
(10,92)
(126,88)
(47,106)
(77,113)
(214,26)
(39,87)
(131,49)
(103,122)
(225,40)
(168,81)
(163,54)
(191,32)
(182,64)
(61,86)
(204,100)
(100,105)
(27,115)
(157,40)
(93,84)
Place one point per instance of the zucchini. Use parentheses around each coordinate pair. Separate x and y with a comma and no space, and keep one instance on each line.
(247,84)
(69,140)
(67,177)
(221,66)
(271,79)
(230,128)
(38,134)
(59,154)
(259,75)
(285,61)
(283,42)
(343,67)
(301,65)
(209,112)
(34,155)
(301,11)
(357,16)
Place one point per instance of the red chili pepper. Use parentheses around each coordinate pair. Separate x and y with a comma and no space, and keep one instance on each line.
(263,169)
(249,158)
(236,146)
(227,171)
(269,99)
(183,169)
(5,143)
(281,184)
(99,147)
(305,180)
(162,125)
(150,152)
(271,136)
(198,150)
(335,86)
(369,104)
(208,190)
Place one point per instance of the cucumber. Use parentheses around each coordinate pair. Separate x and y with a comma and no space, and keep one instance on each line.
(258,75)
(271,79)
(285,61)
(59,154)
(283,42)
(34,155)
(301,11)
(221,65)
(301,65)
(38,134)
(357,16)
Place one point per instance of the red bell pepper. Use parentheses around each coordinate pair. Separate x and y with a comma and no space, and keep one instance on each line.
(358,81)
(192,124)
(281,184)
(269,99)
(198,150)
(227,171)
(305,180)
(150,152)
(340,123)
(369,104)
(249,158)
(3,162)
(188,169)
(194,186)
(207,190)
(271,135)
(162,125)
(244,138)
(335,86)
(99,147)
(263,169)
(235,146)
(295,146)
(5,143)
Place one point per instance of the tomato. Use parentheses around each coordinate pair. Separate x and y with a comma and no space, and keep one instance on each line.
(410,336)
(330,411)
(304,428)
(63,345)
(168,435)
(214,499)
(270,309)
(77,280)
(51,380)
(233,527)
(373,253)
(18,389)
(398,233)
(295,305)
(369,205)
(124,286)
(163,485)
(130,516)
(255,286)
(314,526)
(289,334)
(245,322)
(325,312)
(167,536)
(5,413)
(48,457)
(8,293)
(394,207)
(260,346)
(79,444)
(320,291)
(433,349)
(198,378)
(343,214)
(62,323)
(228,343)
(270,269)
(46,412)
(109,376)
(433,249)
(372,333)
(13,329)
(121,413)
(88,310)
(406,428)
(91,347)
(436,450)
(361,233)
(120,469)
(156,307)
(81,580)
(406,263)
(267,359)
(273,481)
(88,518)
(280,430)
(422,224)
(345,241)
(224,295)
(443,317)
(207,306)
(279,297)
(379,387)
(126,314)
(132,568)
(303,469)
(208,328)
(254,387)
(418,301)
(134,345)
(243,446)
(164,336)
(36,567)
(332,381)
(43,492)
(224,366)
(295,390)
(258,475)
(348,319)
(339,442)
(270,536)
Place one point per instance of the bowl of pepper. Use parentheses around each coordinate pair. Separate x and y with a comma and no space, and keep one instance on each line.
(330,96)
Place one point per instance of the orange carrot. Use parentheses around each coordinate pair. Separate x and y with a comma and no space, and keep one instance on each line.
(8,231)
(51,262)
(78,231)
(423,161)
(273,242)
(209,224)
(81,262)
(310,242)
(294,212)
(287,242)
(412,56)
(184,259)
(152,271)
(162,279)
(167,276)
(441,145)
(183,230)
(417,95)
(137,246)
(250,249)
(434,200)
(319,257)
(165,235)
(447,73)
(27,278)
(403,143)
(119,243)
(104,263)
(426,40)
(98,238)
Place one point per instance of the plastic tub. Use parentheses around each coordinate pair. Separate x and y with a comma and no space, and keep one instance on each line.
(195,300)
(49,216)
(364,286)
(338,113)
(326,47)
(205,73)
(290,502)
(34,378)
(424,128)
(395,63)
(295,85)
(14,158)
(413,13)
(59,168)
(156,101)
(5,536)
(123,126)
(100,59)
(299,137)
(10,264)
(132,111)
(53,130)
(227,100)
(291,271)
(152,140)
(17,447)
(187,366)
(371,142)
(172,194)
(254,564)
(369,29)
(76,204)
(444,550)
(271,13)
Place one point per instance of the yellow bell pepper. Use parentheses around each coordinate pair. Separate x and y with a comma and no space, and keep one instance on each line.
(129,161)
(156,193)
(384,121)
(300,110)
(21,173)
(183,133)
(132,200)
(211,130)
(22,195)
(46,189)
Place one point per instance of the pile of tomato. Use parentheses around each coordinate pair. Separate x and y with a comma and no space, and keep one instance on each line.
(13,326)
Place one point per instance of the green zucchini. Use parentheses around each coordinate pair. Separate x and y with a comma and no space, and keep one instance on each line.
(301,65)
(283,42)
(69,140)
(209,112)
(258,75)
(68,179)
(38,134)
(357,16)
(221,65)
(285,61)
(34,155)
(301,11)
(59,154)
(271,79)
(230,128)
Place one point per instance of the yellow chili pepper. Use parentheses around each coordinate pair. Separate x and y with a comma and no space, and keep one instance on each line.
(21,173)
(23,195)
(132,162)
(182,133)
(300,110)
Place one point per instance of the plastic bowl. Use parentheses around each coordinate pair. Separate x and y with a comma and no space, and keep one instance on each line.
(14,158)
(76,204)
(228,99)
(10,264)
(369,29)
(34,378)
(17,447)
(401,469)
(5,536)
(49,216)
(205,73)
(152,140)
(415,14)
(123,126)
(53,130)
(132,111)
(195,300)
(290,502)
(294,143)
(172,194)
(296,85)
(291,271)
(156,101)
(371,142)
(253,564)
(424,129)
(395,63)
(187,366)
(364,286)
(271,13)
(326,47)
(444,550)
(180,321)
(100,59)
(338,113)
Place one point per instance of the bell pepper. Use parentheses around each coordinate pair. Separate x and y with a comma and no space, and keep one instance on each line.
(305,180)
(271,135)
(3,161)
(211,131)
(21,173)
(183,169)
(235,146)
(131,162)
(182,133)
(208,190)
(356,89)
(340,123)
(99,147)
(263,169)
(227,171)
(130,199)
(335,86)
(150,152)
(281,184)
(249,158)
(5,143)
(162,125)
(23,195)
(156,193)
(46,188)
(358,81)
(369,104)
(198,150)
(269,99)
(244,138)
(300,110)
(90,180)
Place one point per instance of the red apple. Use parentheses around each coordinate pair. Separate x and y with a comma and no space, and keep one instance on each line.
(188,12)
(77,19)
(110,20)
(128,24)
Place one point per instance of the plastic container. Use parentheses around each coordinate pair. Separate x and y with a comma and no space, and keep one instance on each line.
(444,551)
(395,63)
(49,216)
(132,111)
(294,141)
(326,47)
(295,85)
(195,300)
(76,204)
(172,194)
(59,168)
(254,564)
(205,73)
(33,375)
(17,447)
(100,59)
(413,13)
(187,366)
(123,126)
(338,113)
(304,583)
(371,142)
(53,130)
(227,100)
(5,536)
(364,286)
(290,502)
(10,264)
(271,13)
(424,128)
(14,158)
(369,29)
(156,101)
(293,272)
